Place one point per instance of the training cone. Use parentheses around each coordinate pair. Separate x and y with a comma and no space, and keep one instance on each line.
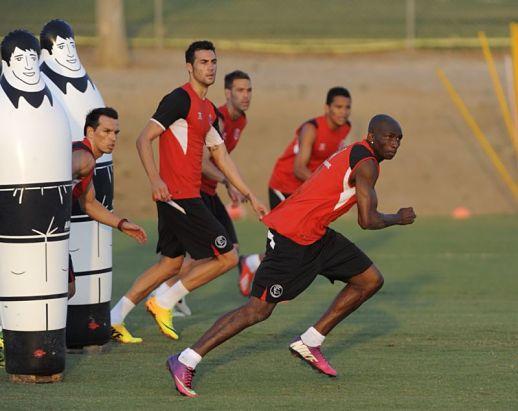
(461,213)
(236,212)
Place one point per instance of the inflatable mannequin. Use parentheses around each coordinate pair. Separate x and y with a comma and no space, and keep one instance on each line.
(35,206)
(88,322)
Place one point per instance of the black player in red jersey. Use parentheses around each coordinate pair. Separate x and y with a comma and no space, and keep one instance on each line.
(185,122)
(301,245)
(101,130)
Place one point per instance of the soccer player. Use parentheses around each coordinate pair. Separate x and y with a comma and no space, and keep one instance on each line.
(314,141)
(100,130)
(232,122)
(301,245)
(185,121)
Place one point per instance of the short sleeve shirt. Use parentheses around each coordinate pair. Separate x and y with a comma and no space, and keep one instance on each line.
(189,123)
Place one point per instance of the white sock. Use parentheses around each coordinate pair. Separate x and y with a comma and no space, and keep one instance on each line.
(121,310)
(162,288)
(190,358)
(170,297)
(253,261)
(312,338)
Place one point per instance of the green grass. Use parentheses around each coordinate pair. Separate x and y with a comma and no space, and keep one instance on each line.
(441,334)
(273,19)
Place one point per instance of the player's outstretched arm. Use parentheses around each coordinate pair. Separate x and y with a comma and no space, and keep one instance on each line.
(228,168)
(369,218)
(151,131)
(307,137)
(99,213)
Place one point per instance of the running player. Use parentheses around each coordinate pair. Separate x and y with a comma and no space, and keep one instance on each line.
(232,122)
(314,141)
(100,130)
(301,245)
(185,121)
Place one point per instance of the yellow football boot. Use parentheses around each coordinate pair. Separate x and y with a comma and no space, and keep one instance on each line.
(163,318)
(121,334)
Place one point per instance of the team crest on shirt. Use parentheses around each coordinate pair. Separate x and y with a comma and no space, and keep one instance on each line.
(322,146)
(276,290)
(200,115)
(220,241)
(237,133)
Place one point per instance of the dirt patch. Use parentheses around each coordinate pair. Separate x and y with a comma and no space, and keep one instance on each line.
(439,166)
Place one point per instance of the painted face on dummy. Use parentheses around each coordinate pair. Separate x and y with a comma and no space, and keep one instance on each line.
(24,66)
(65,54)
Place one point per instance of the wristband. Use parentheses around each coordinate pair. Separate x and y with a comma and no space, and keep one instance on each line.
(121,222)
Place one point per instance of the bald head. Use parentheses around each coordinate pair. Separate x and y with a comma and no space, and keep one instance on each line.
(384,136)
(382,123)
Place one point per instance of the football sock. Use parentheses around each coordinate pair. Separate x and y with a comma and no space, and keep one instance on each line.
(170,297)
(190,358)
(253,261)
(312,338)
(161,288)
(121,310)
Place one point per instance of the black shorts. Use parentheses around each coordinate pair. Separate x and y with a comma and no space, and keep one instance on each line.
(71,273)
(216,207)
(276,197)
(187,225)
(289,268)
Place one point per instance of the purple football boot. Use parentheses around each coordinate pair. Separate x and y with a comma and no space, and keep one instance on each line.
(313,356)
(182,376)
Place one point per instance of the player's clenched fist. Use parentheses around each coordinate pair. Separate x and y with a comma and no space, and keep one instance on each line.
(407,215)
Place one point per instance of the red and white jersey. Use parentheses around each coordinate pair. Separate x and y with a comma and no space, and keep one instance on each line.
(79,185)
(326,143)
(326,195)
(231,133)
(189,123)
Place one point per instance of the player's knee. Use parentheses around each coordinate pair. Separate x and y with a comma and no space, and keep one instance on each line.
(170,266)
(229,260)
(258,311)
(375,283)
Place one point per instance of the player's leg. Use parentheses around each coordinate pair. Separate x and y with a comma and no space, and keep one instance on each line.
(143,285)
(218,210)
(204,238)
(172,254)
(358,290)
(181,366)
(342,261)
(277,279)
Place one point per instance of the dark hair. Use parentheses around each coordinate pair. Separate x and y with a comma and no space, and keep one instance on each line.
(197,45)
(22,39)
(92,118)
(52,30)
(336,91)
(235,75)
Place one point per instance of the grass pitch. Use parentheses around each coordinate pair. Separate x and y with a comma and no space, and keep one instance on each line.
(441,334)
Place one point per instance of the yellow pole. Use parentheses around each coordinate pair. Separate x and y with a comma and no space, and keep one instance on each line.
(514,55)
(479,135)
(499,91)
